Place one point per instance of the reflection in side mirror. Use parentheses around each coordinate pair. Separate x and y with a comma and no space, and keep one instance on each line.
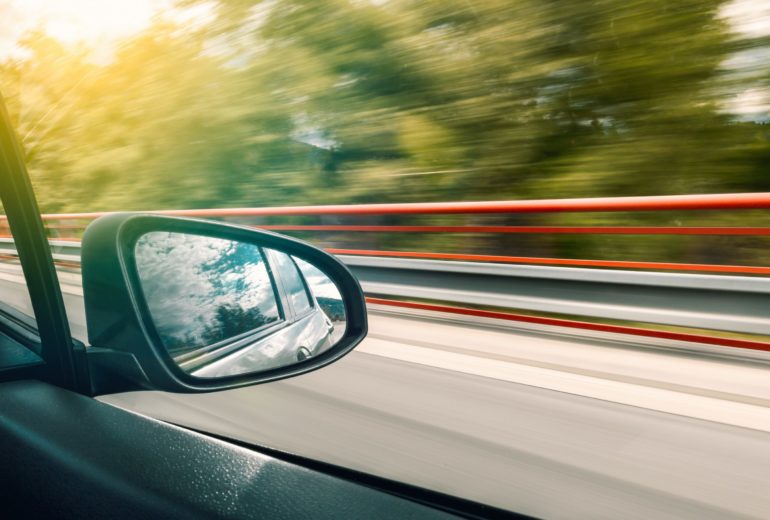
(222,307)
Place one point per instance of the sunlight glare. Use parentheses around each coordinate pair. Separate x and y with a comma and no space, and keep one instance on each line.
(90,21)
(96,24)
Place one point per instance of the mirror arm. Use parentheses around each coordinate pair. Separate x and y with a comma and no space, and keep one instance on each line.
(114,371)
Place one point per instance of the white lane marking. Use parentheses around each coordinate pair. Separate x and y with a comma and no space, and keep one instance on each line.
(662,400)
(688,405)
(597,357)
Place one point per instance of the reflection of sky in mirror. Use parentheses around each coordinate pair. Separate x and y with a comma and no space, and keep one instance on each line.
(201,290)
(320,284)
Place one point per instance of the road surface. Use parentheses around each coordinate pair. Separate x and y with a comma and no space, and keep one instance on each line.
(542,421)
(511,425)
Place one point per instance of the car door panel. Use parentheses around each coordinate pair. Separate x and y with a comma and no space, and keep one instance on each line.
(69,456)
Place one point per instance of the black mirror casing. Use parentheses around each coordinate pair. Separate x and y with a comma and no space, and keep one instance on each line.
(126,351)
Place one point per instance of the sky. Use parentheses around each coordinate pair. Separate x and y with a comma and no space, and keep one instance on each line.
(102,24)
(108,21)
(749,17)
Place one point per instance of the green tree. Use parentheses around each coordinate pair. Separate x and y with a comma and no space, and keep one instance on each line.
(299,102)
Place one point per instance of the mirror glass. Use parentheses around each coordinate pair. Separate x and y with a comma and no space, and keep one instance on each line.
(224,308)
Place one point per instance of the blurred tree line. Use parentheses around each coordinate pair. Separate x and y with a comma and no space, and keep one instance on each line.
(300,102)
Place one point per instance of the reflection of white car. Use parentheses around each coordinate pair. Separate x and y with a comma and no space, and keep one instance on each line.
(304,331)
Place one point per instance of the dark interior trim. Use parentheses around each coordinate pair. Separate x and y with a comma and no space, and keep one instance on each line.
(66,455)
(451,504)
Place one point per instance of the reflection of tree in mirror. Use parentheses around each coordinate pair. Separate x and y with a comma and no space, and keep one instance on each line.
(201,290)
(232,260)
(333,307)
(231,320)
(176,343)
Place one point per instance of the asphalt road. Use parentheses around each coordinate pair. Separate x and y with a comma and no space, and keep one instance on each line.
(543,421)
(477,431)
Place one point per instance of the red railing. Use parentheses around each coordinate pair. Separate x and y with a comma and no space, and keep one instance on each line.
(660,203)
(718,341)
(70,225)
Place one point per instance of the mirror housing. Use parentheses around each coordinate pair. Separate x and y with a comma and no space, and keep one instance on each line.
(126,352)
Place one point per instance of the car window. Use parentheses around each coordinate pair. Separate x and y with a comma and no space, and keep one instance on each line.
(13,284)
(292,282)
(565,338)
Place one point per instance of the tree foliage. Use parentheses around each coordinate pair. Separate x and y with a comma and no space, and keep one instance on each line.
(299,102)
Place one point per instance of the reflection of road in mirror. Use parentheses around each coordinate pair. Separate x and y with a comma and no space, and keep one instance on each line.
(218,311)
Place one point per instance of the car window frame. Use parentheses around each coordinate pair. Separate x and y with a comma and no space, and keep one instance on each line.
(287,295)
(310,296)
(63,358)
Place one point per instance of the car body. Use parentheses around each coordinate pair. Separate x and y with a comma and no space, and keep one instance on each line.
(303,330)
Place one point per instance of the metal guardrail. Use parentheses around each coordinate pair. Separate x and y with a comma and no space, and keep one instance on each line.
(67,251)
(719,297)
(729,303)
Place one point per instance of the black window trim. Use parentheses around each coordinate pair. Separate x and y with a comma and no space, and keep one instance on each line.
(296,316)
(64,358)
(310,296)
(280,285)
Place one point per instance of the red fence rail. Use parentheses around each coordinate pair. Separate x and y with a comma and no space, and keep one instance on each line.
(70,225)
(598,327)
(659,203)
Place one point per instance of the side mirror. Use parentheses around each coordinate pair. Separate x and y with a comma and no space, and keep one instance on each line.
(187,305)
